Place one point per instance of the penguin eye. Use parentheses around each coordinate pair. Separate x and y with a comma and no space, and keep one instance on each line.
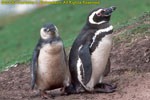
(45,30)
(99,13)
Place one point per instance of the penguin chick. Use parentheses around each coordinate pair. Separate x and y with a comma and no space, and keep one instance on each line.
(89,55)
(49,68)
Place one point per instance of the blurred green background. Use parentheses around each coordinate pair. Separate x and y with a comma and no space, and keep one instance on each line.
(20,33)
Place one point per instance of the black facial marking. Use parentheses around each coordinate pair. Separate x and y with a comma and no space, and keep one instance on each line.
(100,18)
(96,18)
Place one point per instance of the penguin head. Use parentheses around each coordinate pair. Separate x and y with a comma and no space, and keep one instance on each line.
(100,15)
(49,30)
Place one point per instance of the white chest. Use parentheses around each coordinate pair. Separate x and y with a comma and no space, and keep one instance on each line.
(50,56)
(100,55)
(103,48)
(99,59)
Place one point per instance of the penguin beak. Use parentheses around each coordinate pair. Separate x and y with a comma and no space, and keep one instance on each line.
(52,30)
(108,11)
(47,30)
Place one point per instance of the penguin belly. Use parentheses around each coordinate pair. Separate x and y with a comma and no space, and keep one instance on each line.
(99,59)
(51,72)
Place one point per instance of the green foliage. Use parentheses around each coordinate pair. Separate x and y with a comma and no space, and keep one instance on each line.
(19,37)
(134,28)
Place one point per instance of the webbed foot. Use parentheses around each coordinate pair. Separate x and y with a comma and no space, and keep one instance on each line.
(105,88)
(44,95)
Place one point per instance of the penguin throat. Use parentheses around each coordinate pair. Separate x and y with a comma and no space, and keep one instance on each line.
(47,36)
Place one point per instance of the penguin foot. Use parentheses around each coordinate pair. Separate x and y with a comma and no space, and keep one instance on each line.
(44,95)
(70,90)
(106,85)
(62,90)
(105,88)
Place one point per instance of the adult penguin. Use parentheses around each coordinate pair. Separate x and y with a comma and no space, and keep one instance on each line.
(90,53)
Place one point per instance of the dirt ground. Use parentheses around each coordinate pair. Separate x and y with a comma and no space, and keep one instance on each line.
(130,70)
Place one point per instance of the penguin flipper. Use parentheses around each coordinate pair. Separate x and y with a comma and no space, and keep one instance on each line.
(33,67)
(85,57)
